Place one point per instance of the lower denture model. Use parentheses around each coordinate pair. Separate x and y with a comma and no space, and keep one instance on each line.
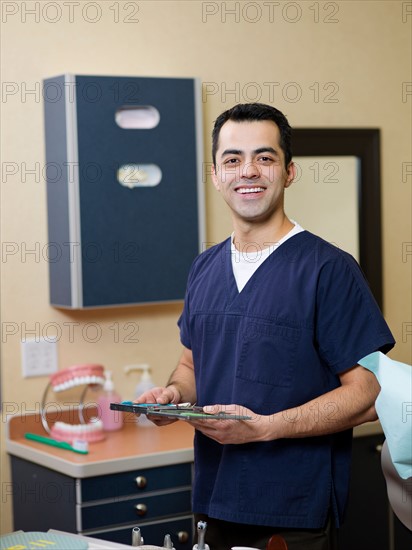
(90,432)
(72,377)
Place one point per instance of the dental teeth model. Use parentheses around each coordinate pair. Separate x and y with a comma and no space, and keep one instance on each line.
(90,432)
(77,375)
(88,375)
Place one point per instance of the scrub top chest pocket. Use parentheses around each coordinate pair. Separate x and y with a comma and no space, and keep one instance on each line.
(268,353)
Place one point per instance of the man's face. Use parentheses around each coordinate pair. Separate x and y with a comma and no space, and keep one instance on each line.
(250,169)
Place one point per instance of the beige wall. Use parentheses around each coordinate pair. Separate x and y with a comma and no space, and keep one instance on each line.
(360,50)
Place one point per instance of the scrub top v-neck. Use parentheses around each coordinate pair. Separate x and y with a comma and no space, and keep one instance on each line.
(247,258)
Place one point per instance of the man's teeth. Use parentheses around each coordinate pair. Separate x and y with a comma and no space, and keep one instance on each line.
(244,190)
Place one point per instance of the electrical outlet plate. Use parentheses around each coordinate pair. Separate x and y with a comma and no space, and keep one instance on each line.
(39,357)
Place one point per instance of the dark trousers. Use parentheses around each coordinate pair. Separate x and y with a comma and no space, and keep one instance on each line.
(222,535)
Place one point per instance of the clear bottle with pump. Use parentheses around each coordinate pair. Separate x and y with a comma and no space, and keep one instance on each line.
(112,420)
(146,383)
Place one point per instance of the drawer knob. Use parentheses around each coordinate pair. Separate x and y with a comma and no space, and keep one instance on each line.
(141,509)
(183,536)
(141,482)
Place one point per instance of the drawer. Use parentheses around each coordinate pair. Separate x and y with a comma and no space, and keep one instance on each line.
(126,511)
(180,530)
(138,481)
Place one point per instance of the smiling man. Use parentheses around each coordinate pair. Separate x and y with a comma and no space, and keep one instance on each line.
(274,333)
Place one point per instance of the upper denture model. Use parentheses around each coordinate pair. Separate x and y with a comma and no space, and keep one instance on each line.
(77,375)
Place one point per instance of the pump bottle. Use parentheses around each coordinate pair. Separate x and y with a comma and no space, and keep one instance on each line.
(112,420)
(146,383)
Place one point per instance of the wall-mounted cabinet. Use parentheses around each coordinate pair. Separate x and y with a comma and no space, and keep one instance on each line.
(124,188)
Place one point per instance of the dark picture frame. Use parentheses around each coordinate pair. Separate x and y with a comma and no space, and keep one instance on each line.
(363,143)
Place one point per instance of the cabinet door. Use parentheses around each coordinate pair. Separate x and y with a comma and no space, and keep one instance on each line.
(366,526)
(123,222)
(42,498)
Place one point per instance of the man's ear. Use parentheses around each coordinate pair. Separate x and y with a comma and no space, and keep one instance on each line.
(215,179)
(291,174)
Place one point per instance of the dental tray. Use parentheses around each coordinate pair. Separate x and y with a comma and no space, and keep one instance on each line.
(183,411)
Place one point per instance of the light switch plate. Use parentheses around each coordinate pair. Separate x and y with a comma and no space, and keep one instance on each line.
(39,357)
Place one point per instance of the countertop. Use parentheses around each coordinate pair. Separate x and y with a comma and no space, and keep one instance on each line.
(123,450)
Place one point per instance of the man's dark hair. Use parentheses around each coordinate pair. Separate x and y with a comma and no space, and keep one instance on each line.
(255,111)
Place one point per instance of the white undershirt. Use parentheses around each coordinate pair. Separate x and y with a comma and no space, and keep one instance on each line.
(245,262)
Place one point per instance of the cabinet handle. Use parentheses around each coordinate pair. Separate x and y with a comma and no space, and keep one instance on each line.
(183,536)
(141,509)
(378,448)
(141,482)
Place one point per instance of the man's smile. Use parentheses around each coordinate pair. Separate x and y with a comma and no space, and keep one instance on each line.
(249,190)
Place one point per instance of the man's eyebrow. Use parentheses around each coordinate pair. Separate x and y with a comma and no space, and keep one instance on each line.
(265,150)
(255,152)
(232,152)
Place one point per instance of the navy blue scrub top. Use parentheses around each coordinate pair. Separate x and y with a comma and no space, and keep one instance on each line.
(305,316)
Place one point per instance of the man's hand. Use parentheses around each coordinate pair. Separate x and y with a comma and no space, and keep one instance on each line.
(232,431)
(180,388)
(162,396)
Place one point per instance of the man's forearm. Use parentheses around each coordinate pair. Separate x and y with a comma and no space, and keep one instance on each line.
(329,413)
(183,380)
(340,409)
